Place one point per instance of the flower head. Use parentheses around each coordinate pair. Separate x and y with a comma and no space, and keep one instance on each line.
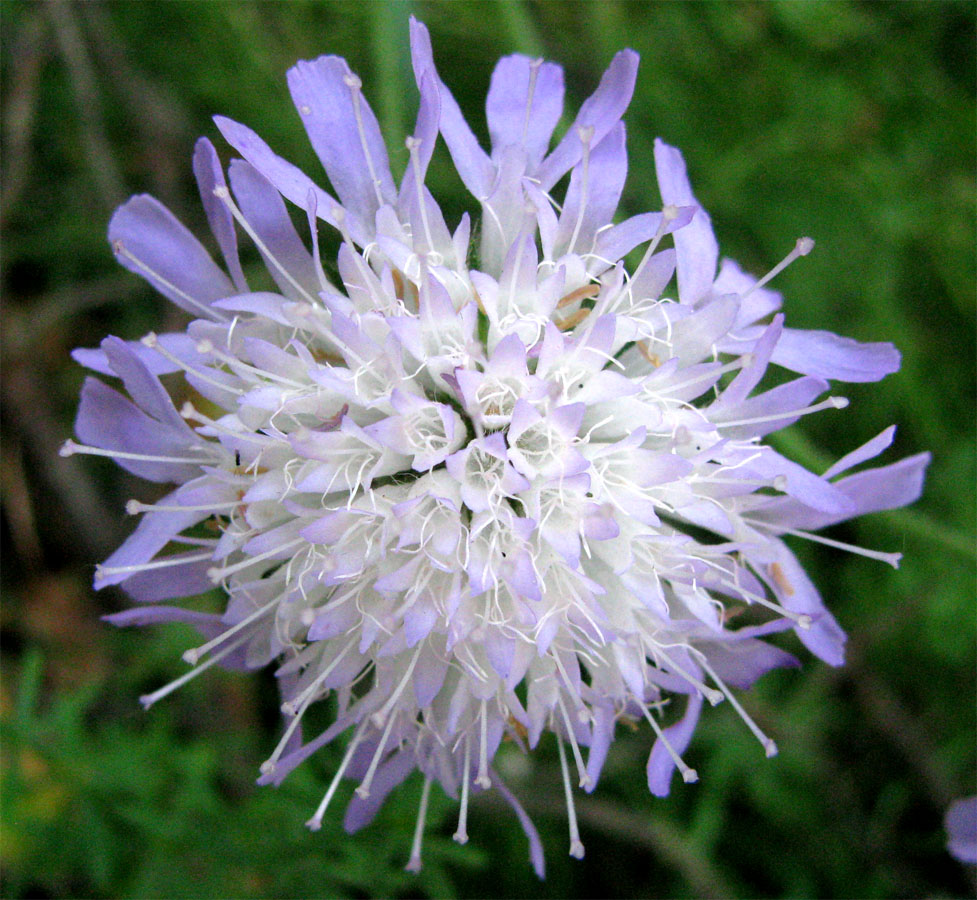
(475,488)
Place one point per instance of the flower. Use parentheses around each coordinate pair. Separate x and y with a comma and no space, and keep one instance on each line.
(477,488)
(961,828)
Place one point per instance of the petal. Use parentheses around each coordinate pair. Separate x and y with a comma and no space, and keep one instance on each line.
(425,135)
(473,164)
(868,450)
(144,387)
(525,100)
(535,844)
(695,245)
(660,764)
(653,277)
(178,343)
(176,581)
(290,181)
(743,662)
(428,678)
(692,338)
(286,257)
(758,303)
(108,420)
(874,490)
(601,111)
(615,243)
(210,177)
(151,615)
(828,355)
(750,376)
(796,593)
(390,773)
(150,241)
(603,737)
(593,194)
(344,133)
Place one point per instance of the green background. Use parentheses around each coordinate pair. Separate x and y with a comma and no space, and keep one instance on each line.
(849,122)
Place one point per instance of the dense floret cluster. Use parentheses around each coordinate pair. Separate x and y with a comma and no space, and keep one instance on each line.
(476,488)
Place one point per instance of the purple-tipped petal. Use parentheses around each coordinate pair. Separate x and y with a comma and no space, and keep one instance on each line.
(601,111)
(210,178)
(472,162)
(536,856)
(660,762)
(593,194)
(284,252)
(149,240)
(827,355)
(344,133)
(290,181)
(695,244)
(525,100)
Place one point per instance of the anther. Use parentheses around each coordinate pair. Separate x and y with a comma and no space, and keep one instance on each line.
(803,246)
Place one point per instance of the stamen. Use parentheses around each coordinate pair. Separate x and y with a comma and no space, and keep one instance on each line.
(289,706)
(224,195)
(803,246)
(363,790)
(303,702)
(461,832)
(740,363)
(482,778)
(151,341)
(414,863)
(379,716)
(147,700)
(576,845)
(191,656)
(586,135)
(217,573)
(830,403)
(355,86)
(587,292)
(207,348)
(574,319)
(669,214)
(689,775)
(104,571)
(134,507)
(585,779)
(413,145)
(802,620)
(315,823)
(311,205)
(891,558)
(208,311)
(70,447)
(191,414)
(533,73)
(769,747)
(711,694)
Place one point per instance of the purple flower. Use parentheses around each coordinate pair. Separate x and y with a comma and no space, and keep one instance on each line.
(505,487)
(961,829)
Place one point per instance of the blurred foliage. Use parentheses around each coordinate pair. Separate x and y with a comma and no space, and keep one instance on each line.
(851,122)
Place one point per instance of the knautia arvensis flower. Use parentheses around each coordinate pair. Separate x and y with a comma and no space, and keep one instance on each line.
(477,489)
